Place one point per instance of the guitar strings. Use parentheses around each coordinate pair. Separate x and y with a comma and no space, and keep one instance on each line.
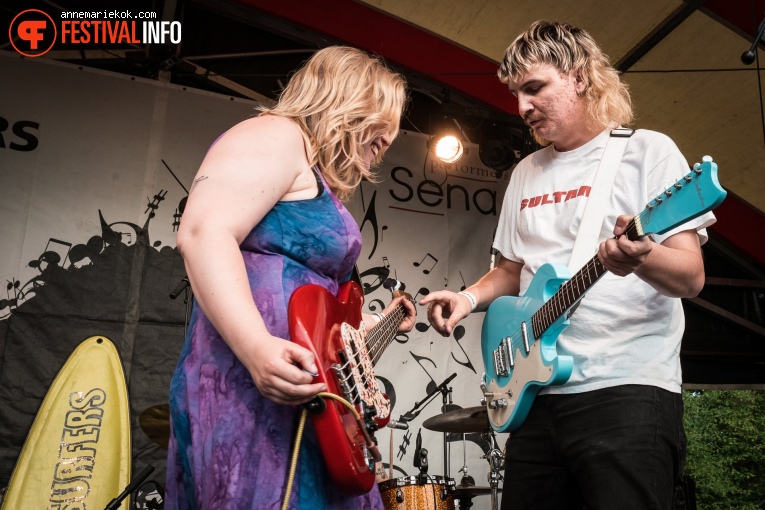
(372,344)
(373,339)
(555,307)
(567,288)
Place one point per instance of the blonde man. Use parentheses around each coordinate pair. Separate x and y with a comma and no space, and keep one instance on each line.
(612,435)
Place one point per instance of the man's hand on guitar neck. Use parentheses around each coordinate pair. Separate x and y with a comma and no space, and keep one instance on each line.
(620,255)
(675,267)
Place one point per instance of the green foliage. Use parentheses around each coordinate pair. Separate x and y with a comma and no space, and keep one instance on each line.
(726,448)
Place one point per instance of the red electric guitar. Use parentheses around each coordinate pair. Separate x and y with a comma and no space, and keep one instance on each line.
(331,328)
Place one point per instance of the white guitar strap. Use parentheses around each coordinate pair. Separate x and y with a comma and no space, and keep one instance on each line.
(587,238)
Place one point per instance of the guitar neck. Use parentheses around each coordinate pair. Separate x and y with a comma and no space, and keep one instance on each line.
(572,291)
(380,337)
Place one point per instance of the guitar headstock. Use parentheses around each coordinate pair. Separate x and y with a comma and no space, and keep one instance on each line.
(396,288)
(693,195)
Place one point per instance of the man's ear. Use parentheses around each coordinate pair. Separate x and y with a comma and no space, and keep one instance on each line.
(581,83)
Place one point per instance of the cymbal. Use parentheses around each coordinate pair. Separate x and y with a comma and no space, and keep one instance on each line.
(471,491)
(471,419)
(155,422)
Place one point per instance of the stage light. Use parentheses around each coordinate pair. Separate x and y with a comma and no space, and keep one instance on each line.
(500,147)
(446,137)
(449,149)
(497,154)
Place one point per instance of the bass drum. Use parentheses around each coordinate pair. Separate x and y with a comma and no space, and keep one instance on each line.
(415,493)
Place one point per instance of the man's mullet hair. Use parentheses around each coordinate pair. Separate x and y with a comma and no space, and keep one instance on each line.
(566,47)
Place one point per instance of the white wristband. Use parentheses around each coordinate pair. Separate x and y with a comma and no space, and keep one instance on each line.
(378,316)
(471,297)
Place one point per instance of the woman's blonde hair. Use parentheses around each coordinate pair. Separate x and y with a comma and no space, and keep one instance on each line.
(567,47)
(342,98)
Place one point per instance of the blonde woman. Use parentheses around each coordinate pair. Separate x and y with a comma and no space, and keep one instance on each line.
(264,217)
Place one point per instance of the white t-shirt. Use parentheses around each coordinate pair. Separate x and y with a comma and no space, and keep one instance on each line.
(624,331)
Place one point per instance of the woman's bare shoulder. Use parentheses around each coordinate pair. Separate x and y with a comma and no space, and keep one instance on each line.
(267,129)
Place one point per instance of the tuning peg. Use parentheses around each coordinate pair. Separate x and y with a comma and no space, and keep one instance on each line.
(707,159)
(696,166)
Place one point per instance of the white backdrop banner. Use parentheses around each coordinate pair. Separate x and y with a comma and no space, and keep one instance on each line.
(79,141)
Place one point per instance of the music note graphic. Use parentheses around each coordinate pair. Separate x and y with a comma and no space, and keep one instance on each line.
(426,271)
(404,443)
(13,301)
(432,384)
(107,234)
(422,291)
(176,220)
(422,327)
(371,217)
(382,232)
(386,264)
(154,204)
(50,256)
(463,281)
(380,274)
(373,308)
(459,333)
(388,389)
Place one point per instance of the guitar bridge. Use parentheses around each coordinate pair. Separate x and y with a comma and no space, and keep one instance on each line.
(503,357)
(342,381)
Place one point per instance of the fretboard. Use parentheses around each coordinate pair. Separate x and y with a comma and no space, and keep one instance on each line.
(380,337)
(573,290)
(567,296)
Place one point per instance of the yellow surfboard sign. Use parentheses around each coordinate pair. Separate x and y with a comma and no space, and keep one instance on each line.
(77,453)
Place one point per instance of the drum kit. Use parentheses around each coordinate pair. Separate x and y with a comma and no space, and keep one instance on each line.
(418,492)
(472,419)
(440,493)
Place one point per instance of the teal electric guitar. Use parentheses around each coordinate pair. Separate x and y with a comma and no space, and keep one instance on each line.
(519,334)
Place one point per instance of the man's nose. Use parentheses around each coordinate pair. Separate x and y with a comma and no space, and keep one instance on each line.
(525,106)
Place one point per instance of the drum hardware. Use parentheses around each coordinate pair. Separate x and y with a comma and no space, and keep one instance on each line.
(496,464)
(465,500)
(185,285)
(466,490)
(470,419)
(421,458)
(115,503)
(446,394)
(410,493)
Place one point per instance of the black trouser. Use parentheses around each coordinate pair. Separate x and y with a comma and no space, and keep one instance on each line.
(617,448)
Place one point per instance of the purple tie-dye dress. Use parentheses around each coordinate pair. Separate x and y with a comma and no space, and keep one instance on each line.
(229,445)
